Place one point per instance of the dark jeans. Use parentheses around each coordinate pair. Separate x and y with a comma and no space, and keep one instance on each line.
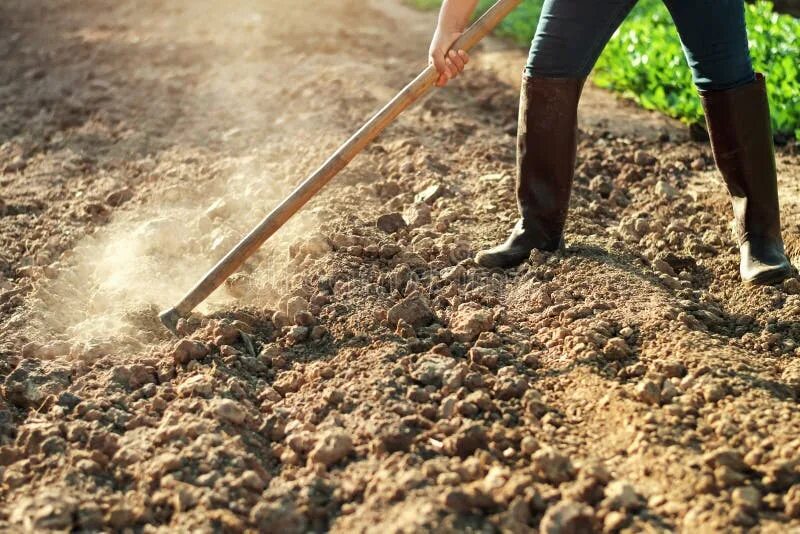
(572,34)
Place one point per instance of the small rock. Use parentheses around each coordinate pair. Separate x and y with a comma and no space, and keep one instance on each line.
(318,332)
(466,441)
(614,521)
(397,438)
(792,286)
(458,501)
(698,164)
(303,318)
(414,310)
(31,382)
(68,400)
(404,329)
(417,215)
(642,158)
(297,334)
(288,382)
(187,350)
(50,510)
(229,411)
(430,194)
(727,478)
(666,190)
(470,320)
(663,267)
(648,392)
(430,369)
(568,517)
(529,445)
(713,392)
(726,457)
(16,165)
(747,497)
(391,222)
(331,448)
(792,502)
(119,197)
(485,357)
(616,349)
(198,385)
(280,319)
(619,495)
(296,305)
(301,442)
(668,392)
(552,466)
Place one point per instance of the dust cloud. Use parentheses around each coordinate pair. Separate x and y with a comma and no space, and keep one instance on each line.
(245,136)
(146,259)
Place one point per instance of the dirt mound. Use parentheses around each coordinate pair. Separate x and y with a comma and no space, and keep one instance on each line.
(363,374)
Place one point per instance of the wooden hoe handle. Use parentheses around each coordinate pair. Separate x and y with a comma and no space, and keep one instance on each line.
(317,180)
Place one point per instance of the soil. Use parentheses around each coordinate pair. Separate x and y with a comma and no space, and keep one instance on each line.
(361,373)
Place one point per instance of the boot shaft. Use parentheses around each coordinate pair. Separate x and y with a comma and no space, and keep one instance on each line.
(546,150)
(739,125)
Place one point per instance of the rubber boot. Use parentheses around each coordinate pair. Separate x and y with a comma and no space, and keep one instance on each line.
(546,144)
(741,137)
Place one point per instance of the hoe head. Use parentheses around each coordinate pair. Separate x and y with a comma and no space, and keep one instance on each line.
(170,319)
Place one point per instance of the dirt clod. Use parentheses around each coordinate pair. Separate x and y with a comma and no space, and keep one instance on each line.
(331,448)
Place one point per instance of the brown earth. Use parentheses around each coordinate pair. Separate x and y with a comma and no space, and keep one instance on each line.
(351,379)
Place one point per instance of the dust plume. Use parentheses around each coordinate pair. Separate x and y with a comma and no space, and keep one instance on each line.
(147,258)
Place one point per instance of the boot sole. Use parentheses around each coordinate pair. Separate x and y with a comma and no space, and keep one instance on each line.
(770,278)
(490,264)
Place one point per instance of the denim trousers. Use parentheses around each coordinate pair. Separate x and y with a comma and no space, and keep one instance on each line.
(572,33)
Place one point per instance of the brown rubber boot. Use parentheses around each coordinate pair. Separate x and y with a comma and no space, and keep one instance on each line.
(741,137)
(546,145)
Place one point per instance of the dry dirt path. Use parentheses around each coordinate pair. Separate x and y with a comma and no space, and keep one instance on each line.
(350,378)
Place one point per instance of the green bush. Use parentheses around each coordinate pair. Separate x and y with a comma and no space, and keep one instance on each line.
(644,60)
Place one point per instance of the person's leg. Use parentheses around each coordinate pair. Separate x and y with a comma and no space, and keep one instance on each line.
(714,39)
(570,36)
(734,98)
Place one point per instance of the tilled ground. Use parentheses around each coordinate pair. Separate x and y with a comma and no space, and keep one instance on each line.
(362,374)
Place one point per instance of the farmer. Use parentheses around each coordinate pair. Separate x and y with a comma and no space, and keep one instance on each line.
(570,36)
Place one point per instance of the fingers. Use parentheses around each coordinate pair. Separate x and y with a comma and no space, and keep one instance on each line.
(438,61)
(456,61)
(449,65)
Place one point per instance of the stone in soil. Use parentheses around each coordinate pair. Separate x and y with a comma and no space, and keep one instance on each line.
(470,321)
(620,495)
(230,411)
(430,369)
(49,510)
(332,447)
(414,310)
(430,194)
(391,222)
(552,466)
(119,197)
(466,441)
(568,517)
(33,381)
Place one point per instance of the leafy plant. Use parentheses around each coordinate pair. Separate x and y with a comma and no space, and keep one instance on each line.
(644,60)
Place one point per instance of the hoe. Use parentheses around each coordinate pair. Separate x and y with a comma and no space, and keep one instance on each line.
(415,90)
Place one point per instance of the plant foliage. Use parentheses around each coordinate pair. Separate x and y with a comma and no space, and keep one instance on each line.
(644,60)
